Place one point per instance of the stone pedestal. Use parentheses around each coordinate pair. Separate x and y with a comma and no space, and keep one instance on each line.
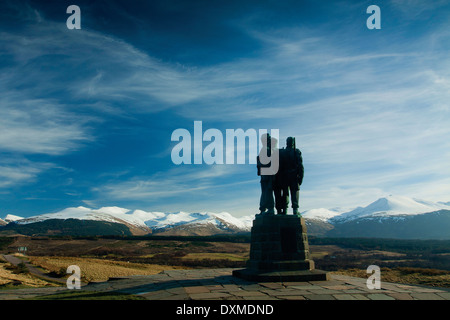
(279,251)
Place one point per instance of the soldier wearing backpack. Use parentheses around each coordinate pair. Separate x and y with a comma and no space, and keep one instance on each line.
(288,178)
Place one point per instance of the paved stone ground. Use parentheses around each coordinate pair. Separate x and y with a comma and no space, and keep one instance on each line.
(219,284)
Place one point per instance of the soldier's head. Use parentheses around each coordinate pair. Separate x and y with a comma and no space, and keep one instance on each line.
(265,138)
(273,142)
(290,141)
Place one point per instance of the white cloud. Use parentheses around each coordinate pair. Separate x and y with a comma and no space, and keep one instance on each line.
(38,126)
(378,113)
(175,183)
(345,106)
(20,171)
(414,9)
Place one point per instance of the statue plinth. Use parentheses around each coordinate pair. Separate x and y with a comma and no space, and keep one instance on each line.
(279,251)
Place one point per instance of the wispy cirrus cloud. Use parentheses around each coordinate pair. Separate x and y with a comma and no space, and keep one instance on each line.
(180,180)
(363,106)
(198,188)
(18,171)
(373,111)
(39,126)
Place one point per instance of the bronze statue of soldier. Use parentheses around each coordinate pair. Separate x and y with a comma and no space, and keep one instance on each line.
(288,178)
(266,203)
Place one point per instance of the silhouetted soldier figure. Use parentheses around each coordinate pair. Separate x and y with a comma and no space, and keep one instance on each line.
(289,177)
(266,203)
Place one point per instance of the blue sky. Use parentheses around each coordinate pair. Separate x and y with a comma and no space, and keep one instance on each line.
(86,116)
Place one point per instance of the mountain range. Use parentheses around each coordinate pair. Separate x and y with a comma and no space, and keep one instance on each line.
(137,222)
(388,217)
(396,217)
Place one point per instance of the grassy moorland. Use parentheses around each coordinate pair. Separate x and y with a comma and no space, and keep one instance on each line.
(94,269)
(404,261)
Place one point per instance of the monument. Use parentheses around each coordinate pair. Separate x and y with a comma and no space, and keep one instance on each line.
(279,249)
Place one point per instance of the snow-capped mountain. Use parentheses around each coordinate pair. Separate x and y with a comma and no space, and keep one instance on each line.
(142,222)
(392,217)
(110,214)
(395,217)
(167,220)
(321,214)
(388,217)
(11,217)
(391,206)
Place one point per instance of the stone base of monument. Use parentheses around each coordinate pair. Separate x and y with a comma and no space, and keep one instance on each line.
(279,251)
(281,276)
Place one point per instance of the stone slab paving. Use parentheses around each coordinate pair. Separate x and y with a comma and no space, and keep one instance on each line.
(220,284)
